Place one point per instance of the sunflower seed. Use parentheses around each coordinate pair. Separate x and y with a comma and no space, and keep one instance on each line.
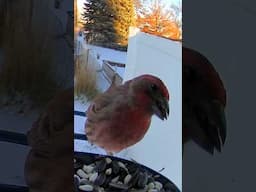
(118,186)
(76,177)
(101,165)
(134,178)
(132,168)
(84,182)
(138,190)
(115,167)
(76,182)
(88,169)
(108,171)
(153,190)
(142,180)
(78,165)
(82,174)
(100,179)
(151,179)
(121,165)
(114,180)
(158,185)
(93,177)
(108,160)
(151,185)
(100,189)
(86,187)
(127,179)
(103,174)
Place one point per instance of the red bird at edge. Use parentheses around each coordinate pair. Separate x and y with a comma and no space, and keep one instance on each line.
(203,102)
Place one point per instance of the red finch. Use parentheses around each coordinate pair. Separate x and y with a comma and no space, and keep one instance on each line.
(120,117)
(204,100)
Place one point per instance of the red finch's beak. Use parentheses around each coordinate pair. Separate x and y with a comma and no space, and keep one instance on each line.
(161,107)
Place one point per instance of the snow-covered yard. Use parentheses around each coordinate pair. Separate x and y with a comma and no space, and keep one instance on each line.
(102,84)
(109,55)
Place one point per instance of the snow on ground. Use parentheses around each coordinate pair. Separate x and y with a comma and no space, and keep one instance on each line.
(110,55)
(102,85)
(81,104)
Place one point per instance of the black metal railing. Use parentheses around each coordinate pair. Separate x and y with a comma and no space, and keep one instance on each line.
(21,139)
(16,138)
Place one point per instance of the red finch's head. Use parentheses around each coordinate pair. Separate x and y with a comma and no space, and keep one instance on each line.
(151,92)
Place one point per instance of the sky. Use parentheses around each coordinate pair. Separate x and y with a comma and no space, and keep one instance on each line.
(168,2)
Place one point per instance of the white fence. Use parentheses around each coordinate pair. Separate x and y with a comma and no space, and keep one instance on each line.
(162,145)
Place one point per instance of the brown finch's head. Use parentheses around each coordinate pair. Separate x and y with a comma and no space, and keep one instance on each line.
(153,93)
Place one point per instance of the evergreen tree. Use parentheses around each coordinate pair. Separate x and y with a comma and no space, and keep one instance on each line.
(107,22)
(124,12)
(99,19)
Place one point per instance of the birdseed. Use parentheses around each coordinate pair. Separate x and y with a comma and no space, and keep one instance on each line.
(105,174)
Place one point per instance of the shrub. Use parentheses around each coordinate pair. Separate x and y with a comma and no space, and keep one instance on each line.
(28,53)
(85,76)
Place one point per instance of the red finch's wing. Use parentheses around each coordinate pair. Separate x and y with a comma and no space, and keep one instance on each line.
(102,107)
(204,100)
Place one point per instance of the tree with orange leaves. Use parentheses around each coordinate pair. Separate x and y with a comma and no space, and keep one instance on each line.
(154,18)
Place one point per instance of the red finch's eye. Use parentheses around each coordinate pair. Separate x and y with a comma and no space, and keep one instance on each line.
(153,87)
